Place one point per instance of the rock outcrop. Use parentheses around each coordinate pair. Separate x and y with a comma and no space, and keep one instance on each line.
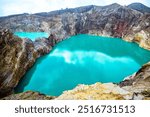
(96,91)
(139,83)
(112,20)
(29,95)
(16,57)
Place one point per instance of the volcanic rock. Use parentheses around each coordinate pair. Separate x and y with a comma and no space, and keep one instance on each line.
(113,20)
(16,57)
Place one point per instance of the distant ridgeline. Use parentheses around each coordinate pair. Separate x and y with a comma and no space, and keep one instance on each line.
(139,7)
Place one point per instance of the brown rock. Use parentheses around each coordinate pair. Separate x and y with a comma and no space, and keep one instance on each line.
(29,95)
(16,57)
(139,84)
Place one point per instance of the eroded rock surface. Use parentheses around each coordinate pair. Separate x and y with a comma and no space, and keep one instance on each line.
(96,91)
(16,57)
(139,83)
(29,95)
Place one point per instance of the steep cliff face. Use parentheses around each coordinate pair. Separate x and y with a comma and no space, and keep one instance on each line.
(112,20)
(139,83)
(16,57)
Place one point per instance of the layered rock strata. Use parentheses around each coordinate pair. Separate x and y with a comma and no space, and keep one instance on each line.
(112,20)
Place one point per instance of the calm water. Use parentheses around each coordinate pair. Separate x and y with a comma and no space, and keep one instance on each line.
(33,36)
(83,59)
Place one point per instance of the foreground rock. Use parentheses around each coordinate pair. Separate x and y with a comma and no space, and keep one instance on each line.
(29,95)
(16,57)
(139,83)
(96,91)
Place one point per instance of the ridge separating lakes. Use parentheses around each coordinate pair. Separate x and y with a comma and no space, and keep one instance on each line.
(83,59)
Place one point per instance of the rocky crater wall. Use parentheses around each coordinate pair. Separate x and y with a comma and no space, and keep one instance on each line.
(113,20)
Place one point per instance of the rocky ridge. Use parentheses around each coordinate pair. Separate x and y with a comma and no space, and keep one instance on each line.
(139,7)
(113,20)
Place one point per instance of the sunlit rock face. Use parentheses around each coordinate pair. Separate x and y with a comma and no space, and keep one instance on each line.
(16,57)
(83,59)
(96,91)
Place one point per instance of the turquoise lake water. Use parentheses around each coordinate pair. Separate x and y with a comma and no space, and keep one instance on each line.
(83,59)
(33,36)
